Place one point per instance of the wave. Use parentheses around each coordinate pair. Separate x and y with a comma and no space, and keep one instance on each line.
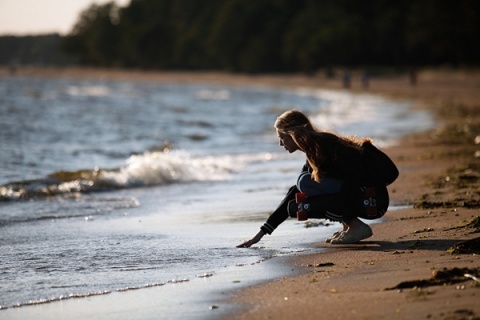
(147,169)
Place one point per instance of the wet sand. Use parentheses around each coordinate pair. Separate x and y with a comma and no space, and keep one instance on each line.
(396,274)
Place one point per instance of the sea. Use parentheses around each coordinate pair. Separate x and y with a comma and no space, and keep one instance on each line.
(138,192)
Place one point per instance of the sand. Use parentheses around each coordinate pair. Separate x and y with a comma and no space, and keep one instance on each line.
(396,274)
(440,172)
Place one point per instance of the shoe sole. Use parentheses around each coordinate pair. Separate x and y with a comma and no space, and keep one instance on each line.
(334,236)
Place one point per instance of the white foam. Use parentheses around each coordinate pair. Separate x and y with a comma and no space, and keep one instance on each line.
(221,95)
(88,91)
(365,115)
(154,168)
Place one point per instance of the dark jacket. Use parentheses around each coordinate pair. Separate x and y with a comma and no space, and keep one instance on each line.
(341,162)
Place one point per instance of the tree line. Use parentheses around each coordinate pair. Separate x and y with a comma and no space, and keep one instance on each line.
(276,35)
(43,50)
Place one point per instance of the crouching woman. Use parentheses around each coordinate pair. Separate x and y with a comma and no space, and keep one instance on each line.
(343,179)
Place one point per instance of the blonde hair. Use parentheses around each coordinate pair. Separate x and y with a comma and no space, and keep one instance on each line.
(312,141)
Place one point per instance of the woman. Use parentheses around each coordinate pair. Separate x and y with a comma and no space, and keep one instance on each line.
(335,178)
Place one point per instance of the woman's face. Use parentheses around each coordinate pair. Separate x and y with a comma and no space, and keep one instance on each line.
(287,142)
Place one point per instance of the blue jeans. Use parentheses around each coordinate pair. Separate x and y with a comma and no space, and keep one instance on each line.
(313,188)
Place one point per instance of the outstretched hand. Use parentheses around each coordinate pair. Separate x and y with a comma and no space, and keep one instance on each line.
(249,243)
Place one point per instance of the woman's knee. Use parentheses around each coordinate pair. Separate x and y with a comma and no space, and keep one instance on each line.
(306,184)
(304,181)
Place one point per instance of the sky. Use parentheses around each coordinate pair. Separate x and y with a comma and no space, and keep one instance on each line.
(29,17)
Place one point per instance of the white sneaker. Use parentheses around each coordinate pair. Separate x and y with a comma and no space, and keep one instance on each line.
(353,236)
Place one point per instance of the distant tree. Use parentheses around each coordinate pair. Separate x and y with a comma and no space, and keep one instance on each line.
(41,50)
(444,32)
(326,33)
(251,37)
(94,38)
(277,35)
(192,27)
(387,33)
(147,38)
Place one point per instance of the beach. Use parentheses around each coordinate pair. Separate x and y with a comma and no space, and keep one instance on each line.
(437,193)
(439,175)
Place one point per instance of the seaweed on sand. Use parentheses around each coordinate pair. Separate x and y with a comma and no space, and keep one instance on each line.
(440,277)
(471,246)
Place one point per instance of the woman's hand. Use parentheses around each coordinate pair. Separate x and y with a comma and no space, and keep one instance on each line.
(249,243)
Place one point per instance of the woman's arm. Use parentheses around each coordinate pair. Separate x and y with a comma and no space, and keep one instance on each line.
(275,219)
(249,243)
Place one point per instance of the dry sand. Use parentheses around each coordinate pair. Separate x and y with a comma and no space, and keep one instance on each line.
(413,266)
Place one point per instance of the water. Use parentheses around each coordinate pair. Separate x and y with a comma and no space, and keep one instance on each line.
(114,186)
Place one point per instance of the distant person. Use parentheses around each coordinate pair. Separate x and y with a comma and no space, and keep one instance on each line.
(330,73)
(412,76)
(12,69)
(365,79)
(346,79)
(343,179)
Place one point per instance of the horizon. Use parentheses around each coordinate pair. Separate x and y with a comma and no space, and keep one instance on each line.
(31,17)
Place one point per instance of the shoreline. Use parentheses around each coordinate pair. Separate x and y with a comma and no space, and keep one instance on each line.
(438,175)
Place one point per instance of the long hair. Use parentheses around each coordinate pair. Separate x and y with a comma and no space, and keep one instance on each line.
(312,141)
